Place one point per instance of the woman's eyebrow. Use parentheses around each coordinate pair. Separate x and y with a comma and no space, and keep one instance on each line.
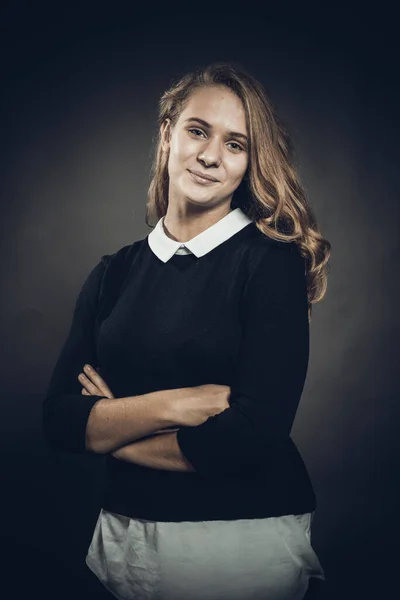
(205,124)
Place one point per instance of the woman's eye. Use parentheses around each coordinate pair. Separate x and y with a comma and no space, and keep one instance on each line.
(199,132)
(237,146)
(196,131)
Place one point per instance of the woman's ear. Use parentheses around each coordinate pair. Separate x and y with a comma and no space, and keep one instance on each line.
(165,131)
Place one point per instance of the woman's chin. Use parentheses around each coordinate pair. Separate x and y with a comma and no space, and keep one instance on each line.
(198,196)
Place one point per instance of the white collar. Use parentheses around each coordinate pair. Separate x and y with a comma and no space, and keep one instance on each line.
(164,247)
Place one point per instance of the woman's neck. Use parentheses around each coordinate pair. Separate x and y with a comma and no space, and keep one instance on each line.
(182,226)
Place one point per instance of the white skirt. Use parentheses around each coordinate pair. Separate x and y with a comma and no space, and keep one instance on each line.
(246,559)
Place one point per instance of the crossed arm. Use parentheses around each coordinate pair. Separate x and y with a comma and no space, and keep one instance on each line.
(157,450)
(266,388)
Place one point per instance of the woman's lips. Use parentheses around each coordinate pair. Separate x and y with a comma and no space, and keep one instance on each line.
(201,180)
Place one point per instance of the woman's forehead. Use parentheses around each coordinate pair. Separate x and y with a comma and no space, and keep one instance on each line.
(216,105)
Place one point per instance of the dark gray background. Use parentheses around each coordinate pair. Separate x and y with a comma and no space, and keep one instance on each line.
(80,93)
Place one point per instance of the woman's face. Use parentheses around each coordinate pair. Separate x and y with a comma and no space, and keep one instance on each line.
(210,138)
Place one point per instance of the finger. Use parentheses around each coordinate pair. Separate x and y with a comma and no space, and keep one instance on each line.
(97,380)
(93,390)
(88,385)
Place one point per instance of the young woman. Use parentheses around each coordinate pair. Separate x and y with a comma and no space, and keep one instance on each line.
(201,329)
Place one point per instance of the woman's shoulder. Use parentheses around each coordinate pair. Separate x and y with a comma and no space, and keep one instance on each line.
(123,255)
(115,271)
(264,248)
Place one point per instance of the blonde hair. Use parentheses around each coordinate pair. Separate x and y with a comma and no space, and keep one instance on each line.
(270,192)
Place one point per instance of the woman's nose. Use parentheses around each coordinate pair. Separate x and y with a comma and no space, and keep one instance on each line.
(210,153)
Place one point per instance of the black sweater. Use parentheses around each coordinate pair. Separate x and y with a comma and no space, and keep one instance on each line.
(236,316)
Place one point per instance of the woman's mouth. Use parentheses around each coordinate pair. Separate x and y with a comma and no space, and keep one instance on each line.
(201,180)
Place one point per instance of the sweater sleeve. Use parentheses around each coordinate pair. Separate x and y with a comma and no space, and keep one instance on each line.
(271,371)
(65,409)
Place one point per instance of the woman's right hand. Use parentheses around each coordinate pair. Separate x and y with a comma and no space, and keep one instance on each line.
(194,405)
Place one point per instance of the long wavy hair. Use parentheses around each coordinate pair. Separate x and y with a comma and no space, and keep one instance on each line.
(270,192)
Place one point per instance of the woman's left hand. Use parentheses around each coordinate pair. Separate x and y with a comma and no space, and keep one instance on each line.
(93,383)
